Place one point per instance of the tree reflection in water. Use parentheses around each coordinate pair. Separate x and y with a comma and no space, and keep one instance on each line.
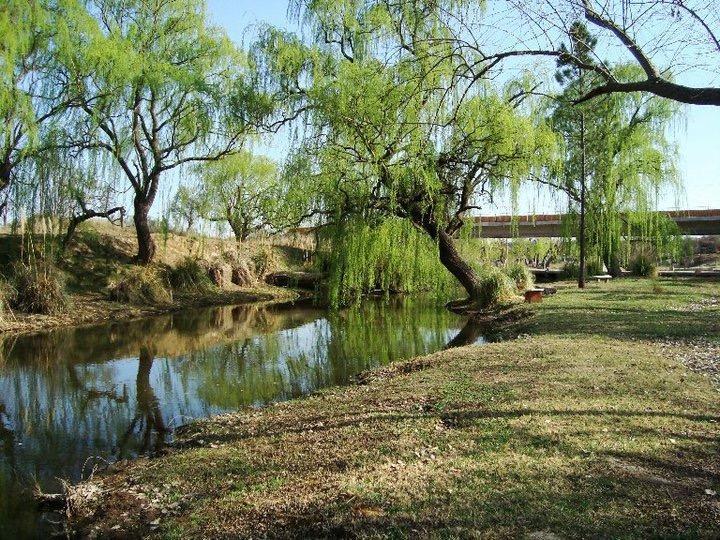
(148,421)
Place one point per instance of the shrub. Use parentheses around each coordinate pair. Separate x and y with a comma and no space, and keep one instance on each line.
(264,260)
(571,269)
(36,288)
(190,274)
(6,295)
(240,272)
(521,275)
(142,285)
(219,272)
(593,267)
(644,265)
(495,287)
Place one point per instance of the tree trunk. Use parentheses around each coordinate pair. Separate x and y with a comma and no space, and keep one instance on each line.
(146,245)
(457,266)
(86,215)
(239,229)
(72,225)
(5,175)
(451,259)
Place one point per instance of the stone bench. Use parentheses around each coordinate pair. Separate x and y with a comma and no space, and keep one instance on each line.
(533,296)
(604,278)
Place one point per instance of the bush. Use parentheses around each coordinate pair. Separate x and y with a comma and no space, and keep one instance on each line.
(190,275)
(142,285)
(264,260)
(521,275)
(593,267)
(6,294)
(240,272)
(571,269)
(219,272)
(36,288)
(644,265)
(495,287)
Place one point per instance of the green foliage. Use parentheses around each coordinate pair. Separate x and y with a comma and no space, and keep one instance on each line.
(482,250)
(571,269)
(537,250)
(389,256)
(521,275)
(402,135)
(243,190)
(620,144)
(162,88)
(644,264)
(36,287)
(594,266)
(497,288)
(264,259)
(190,275)
(185,208)
(141,285)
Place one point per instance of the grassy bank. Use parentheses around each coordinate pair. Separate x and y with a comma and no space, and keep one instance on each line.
(101,255)
(591,425)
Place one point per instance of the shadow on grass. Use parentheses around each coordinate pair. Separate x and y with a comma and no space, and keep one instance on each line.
(623,322)
(598,493)
(454,419)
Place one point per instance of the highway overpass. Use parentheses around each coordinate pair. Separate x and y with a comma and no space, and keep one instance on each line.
(690,222)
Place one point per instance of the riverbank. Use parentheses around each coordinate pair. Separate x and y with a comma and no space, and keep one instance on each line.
(95,308)
(101,255)
(592,424)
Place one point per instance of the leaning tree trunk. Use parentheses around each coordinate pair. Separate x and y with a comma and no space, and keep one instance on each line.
(450,257)
(77,219)
(458,267)
(146,245)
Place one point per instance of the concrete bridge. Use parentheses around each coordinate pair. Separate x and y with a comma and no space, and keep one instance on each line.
(690,222)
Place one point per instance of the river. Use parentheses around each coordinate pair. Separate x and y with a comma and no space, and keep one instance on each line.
(75,399)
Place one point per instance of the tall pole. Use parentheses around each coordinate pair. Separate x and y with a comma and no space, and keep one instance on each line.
(583,176)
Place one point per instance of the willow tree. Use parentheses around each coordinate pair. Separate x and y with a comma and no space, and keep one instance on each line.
(241,190)
(34,89)
(617,157)
(160,88)
(185,209)
(401,127)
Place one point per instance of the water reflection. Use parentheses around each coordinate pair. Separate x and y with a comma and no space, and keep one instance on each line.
(73,397)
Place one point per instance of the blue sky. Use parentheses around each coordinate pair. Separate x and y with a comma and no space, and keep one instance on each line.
(698,136)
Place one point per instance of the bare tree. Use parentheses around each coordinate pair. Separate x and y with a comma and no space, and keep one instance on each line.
(667,39)
(85,212)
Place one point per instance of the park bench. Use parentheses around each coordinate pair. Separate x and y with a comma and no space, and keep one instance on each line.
(604,278)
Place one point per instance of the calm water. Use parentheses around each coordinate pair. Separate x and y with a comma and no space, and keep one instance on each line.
(70,399)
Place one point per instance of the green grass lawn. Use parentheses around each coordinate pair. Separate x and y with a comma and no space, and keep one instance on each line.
(585,426)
